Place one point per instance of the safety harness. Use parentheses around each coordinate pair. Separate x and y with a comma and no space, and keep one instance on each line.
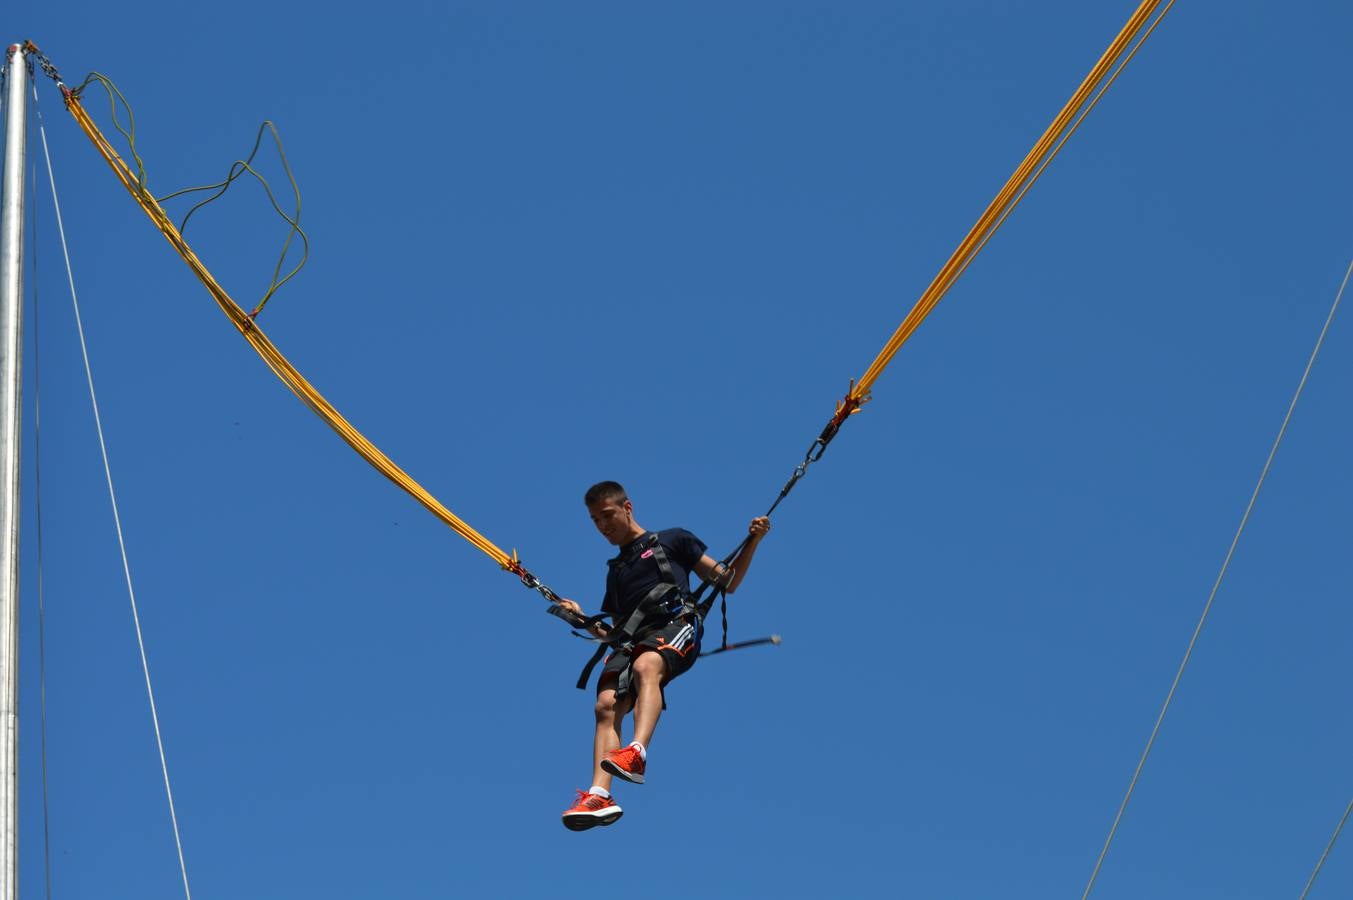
(665,602)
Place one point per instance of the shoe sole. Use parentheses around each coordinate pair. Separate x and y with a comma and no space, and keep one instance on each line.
(584,821)
(618,772)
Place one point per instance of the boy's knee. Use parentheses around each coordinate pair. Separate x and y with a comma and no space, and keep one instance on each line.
(650,666)
(605,708)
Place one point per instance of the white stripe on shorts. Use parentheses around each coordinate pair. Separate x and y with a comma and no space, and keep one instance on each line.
(682,638)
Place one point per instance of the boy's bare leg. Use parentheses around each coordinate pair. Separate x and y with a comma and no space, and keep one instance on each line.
(610,715)
(649,670)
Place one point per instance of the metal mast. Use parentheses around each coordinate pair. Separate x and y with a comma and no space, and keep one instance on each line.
(11,398)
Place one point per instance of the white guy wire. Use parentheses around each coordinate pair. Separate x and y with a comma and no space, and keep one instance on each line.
(117,519)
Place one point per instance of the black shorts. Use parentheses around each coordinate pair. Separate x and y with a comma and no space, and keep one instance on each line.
(677,642)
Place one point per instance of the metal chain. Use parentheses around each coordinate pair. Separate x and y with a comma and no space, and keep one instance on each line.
(33,53)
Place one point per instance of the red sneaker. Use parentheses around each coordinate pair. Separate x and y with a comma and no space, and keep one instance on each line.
(625,763)
(590,810)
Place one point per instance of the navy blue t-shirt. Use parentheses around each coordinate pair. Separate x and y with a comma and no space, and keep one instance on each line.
(634,572)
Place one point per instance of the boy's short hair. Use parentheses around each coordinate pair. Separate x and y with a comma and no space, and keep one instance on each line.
(605,490)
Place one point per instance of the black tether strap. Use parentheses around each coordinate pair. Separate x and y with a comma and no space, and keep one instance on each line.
(724,574)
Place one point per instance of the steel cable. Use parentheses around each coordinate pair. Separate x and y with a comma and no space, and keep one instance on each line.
(1328,847)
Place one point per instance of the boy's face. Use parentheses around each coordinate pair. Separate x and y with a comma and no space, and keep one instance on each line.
(613,518)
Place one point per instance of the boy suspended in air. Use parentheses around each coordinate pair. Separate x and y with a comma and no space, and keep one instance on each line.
(657,629)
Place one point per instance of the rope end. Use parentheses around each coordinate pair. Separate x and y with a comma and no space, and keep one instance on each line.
(845,408)
(855,399)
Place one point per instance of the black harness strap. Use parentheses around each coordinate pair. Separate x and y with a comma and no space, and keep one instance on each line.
(718,581)
(586,675)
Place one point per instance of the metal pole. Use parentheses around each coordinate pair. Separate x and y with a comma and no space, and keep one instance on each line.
(11,399)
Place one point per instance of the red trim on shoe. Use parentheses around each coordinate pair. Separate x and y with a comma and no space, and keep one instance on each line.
(590,810)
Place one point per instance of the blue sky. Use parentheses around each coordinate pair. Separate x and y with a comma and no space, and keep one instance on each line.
(556,243)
